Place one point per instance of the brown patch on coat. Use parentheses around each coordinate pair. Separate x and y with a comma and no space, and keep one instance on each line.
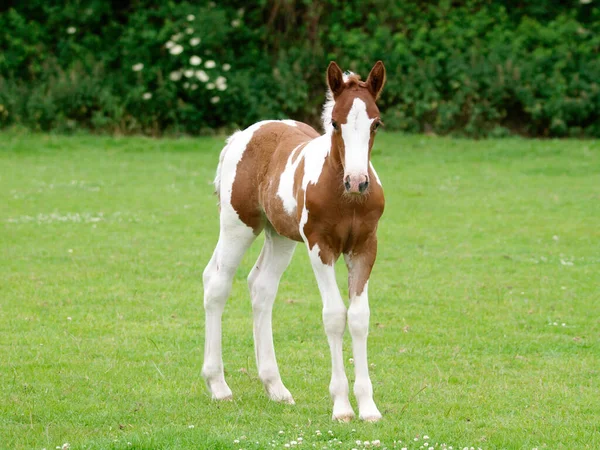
(254,189)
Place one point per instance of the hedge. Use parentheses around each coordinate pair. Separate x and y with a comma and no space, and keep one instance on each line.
(475,68)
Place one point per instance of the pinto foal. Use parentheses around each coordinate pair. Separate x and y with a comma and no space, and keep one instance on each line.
(299,186)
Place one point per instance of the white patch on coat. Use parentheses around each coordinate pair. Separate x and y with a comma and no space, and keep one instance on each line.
(285,191)
(356,133)
(375,173)
(314,153)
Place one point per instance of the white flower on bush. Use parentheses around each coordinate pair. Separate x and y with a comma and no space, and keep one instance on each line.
(214,100)
(190,17)
(226,67)
(189,73)
(202,76)
(186,85)
(176,50)
(236,23)
(175,76)
(189,31)
(71,30)
(194,41)
(176,37)
(147,95)
(169,44)
(195,60)
(210,64)
(210,86)
(221,83)
(137,67)
(194,87)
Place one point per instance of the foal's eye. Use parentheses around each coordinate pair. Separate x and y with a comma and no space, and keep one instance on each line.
(334,124)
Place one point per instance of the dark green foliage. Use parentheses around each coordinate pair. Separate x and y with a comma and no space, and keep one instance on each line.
(465,67)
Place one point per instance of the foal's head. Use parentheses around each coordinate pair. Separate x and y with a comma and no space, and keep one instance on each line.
(354,121)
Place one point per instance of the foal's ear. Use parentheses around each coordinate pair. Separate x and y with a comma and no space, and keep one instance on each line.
(376,79)
(335,79)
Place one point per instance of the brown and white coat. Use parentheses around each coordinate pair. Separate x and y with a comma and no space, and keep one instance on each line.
(299,186)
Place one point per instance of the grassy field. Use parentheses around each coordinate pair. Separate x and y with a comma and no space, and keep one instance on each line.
(485,301)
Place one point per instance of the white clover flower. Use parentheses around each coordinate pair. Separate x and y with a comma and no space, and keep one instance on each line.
(189,31)
(71,30)
(176,50)
(210,86)
(186,85)
(190,17)
(222,87)
(189,73)
(169,44)
(226,67)
(147,95)
(175,76)
(376,442)
(194,41)
(195,60)
(235,23)
(210,64)
(176,37)
(137,67)
(194,87)
(202,76)
(585,2)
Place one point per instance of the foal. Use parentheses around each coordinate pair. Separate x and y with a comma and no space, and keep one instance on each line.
(298,186)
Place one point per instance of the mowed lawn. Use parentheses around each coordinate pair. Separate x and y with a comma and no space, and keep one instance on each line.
(485,301)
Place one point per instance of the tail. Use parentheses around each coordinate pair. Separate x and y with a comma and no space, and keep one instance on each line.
(217,181)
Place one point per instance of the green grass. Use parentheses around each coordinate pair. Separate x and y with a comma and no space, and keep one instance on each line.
(485,300)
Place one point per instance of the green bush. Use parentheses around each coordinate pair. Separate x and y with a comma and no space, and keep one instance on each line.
(462,67)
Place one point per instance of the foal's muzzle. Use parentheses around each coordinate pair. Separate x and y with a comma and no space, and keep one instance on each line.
(356,184)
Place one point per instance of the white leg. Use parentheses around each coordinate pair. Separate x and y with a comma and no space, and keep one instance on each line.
(334,319)
(263,282)
(359,270)
(358,322)
(218,275)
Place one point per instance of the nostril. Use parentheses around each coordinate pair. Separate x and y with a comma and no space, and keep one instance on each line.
(362,187)
(347,183)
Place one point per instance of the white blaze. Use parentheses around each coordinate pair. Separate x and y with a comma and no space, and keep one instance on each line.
(356,133)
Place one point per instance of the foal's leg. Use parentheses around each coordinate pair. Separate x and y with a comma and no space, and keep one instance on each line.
(234,240)
(359,269)
(263,282)
(334,319)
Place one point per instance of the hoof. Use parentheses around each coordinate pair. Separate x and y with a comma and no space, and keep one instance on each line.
(343,415)
(220,391)
(371,417)
(344,418)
